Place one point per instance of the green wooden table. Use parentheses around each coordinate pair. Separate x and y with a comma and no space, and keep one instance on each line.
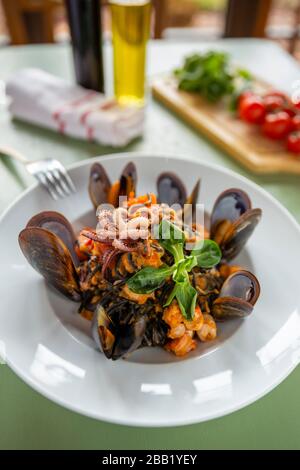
(30,421)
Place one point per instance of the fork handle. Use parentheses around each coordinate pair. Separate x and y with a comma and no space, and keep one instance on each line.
(10,152)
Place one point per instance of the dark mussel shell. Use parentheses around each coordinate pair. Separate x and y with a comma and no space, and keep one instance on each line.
(239,233)
(156,332)
(117,337)
(237,297)
(190,208)
(48,255)
(233,221)
(128,180)
(56,223)
(170,189)
(99,185)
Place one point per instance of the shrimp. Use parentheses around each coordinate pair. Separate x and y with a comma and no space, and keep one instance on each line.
(177,331)
(181,346)
(208,331)
(172,315)
(197,322)
(138,298)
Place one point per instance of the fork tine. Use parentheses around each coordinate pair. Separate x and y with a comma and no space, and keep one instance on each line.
(65,175)
(61,187)
(50,177)
(60,180)
(42,179)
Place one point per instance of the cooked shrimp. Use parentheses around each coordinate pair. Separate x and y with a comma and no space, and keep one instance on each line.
(181,346)
(208,331)
(172,315)
(138,298)
(197,322)
(177,331)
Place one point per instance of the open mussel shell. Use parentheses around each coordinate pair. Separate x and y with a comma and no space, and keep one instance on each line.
(190,205)
(117,339)
(228,208)
(233,221)
(99,185)
(56,223)
(48,255)
(237,297)
(238,233)
(170,189)
(128,180)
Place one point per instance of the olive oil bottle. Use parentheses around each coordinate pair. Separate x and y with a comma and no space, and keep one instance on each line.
(130,32)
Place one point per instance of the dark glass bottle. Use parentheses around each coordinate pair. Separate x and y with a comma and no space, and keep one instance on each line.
(86,33)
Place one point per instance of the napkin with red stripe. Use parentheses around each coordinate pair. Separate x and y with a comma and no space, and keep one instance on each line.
(43,99)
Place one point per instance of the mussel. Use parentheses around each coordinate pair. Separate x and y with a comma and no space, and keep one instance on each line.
(237,297)
(102,191)
(58,224)
(47,242)
(118,331)
(233,221)
(172,191)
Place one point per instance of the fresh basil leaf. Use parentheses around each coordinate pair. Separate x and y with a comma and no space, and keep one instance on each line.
(149,279)
(186,297)
(208,254)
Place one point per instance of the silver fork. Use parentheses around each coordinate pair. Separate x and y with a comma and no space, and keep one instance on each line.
(49,172)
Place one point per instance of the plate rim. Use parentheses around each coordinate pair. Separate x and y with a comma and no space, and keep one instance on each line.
(176,422)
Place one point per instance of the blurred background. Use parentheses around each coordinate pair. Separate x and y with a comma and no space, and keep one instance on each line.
(40,21)
(44,21)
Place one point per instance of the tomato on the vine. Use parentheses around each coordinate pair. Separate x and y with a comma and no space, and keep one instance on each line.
(277,125)
(295,123)
(252,109)
(273,102)
(293,142)
(278,101)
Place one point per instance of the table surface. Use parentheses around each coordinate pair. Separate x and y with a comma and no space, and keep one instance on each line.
(30,421)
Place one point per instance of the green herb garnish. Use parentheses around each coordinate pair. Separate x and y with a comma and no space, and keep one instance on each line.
(211,75)
(205,255)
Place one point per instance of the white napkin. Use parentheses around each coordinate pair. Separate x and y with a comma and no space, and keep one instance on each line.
(49,101)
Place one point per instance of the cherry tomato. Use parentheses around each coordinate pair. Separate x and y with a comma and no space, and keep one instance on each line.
(273,102)
(293,142)
(297,105)
(252,109)
(277,125)
(277,93)
(295,124)
(291,112)
(245,94)
(276,100)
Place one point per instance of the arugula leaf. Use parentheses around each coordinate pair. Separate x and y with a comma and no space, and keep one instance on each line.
(207,253)
(148,279)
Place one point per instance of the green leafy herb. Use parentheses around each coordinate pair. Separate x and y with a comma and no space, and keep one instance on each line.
(206,255)
(211,75)
(149,279)
(186,296)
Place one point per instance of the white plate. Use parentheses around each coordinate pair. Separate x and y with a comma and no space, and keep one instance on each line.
(50,348)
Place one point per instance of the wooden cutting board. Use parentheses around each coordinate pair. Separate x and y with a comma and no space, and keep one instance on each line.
(242,141)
